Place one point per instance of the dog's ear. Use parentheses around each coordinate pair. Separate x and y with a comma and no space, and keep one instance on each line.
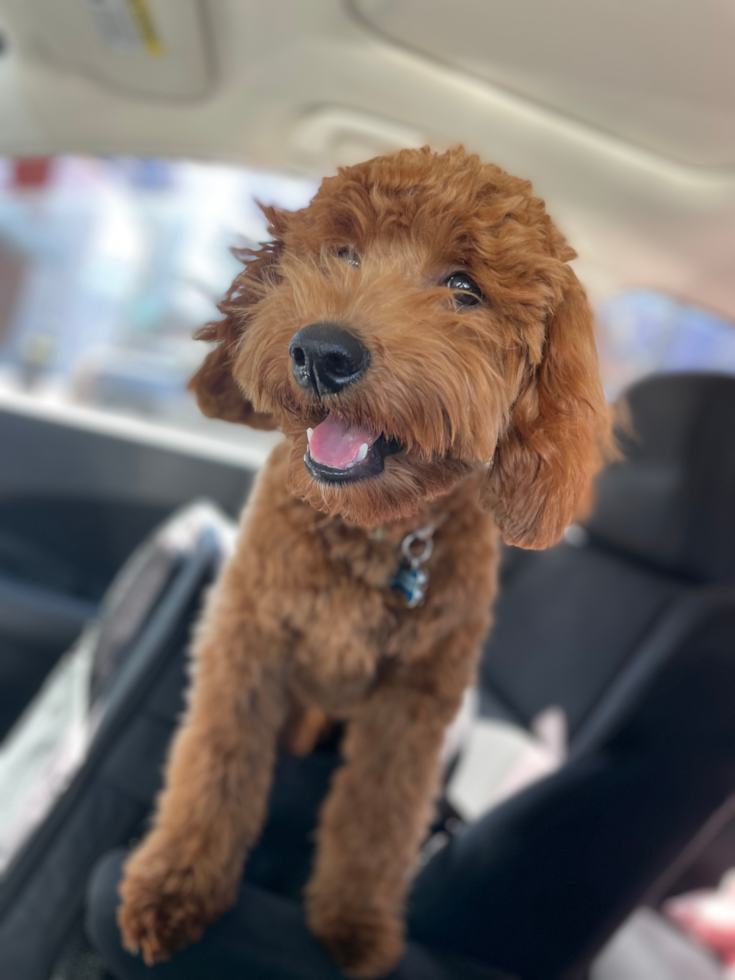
(217,392)
(559,433)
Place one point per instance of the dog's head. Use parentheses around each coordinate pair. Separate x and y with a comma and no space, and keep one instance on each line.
(417,321)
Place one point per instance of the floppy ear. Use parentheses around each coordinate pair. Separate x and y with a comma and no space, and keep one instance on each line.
(217,392)
(559,433)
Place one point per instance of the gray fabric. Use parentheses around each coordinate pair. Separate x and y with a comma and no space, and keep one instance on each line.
(129,601)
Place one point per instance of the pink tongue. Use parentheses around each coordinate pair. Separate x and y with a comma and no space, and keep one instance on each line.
(336,444)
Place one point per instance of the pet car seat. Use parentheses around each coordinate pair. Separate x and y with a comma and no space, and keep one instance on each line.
(79,769)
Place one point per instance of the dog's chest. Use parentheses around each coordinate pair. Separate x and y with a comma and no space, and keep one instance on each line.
(326,587)
(352,624)
(346,619)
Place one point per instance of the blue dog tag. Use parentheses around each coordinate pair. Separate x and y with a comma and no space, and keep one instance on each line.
(411,579)
(412,583)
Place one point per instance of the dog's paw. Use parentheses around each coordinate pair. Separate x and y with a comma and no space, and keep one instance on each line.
(166,904)
(364,944)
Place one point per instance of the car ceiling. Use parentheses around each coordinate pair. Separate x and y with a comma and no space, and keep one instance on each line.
(622,112)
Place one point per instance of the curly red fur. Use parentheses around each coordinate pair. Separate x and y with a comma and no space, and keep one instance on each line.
(501,422)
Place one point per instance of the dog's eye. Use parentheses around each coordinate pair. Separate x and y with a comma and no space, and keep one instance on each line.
(466,291)
(350,257)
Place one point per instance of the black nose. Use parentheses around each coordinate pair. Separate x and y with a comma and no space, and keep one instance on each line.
(325,358)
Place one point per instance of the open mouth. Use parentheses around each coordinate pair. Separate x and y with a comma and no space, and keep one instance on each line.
(342,452)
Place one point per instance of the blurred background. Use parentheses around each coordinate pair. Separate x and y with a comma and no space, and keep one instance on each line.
(138,135)
(110,264)
(135,138)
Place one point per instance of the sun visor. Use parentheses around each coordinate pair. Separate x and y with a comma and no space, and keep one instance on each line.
(153,48)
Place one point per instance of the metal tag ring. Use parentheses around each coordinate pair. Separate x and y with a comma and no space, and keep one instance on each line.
(423,556)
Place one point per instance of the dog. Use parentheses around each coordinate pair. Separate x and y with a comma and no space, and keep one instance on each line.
(419,337)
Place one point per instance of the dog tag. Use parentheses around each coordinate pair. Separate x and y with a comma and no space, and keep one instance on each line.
(411,579)
(412,583)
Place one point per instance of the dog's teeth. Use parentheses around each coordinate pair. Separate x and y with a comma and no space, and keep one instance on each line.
(309,434)
(362,452)
(306,456)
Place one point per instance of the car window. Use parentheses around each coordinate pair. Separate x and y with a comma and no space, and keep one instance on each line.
(641,332)
(107,266)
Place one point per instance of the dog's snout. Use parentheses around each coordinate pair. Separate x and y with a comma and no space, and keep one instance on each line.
(326,358)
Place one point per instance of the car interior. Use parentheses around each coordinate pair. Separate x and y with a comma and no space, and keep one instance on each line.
(135,137)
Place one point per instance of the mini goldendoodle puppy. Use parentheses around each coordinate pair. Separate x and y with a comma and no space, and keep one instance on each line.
(419,337)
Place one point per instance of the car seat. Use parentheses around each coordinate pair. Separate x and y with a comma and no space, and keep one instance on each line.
(637,599)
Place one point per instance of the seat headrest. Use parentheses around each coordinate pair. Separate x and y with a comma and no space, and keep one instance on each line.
(671,501)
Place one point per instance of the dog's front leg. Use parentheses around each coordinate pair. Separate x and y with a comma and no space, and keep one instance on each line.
(379,808)
(186,871)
